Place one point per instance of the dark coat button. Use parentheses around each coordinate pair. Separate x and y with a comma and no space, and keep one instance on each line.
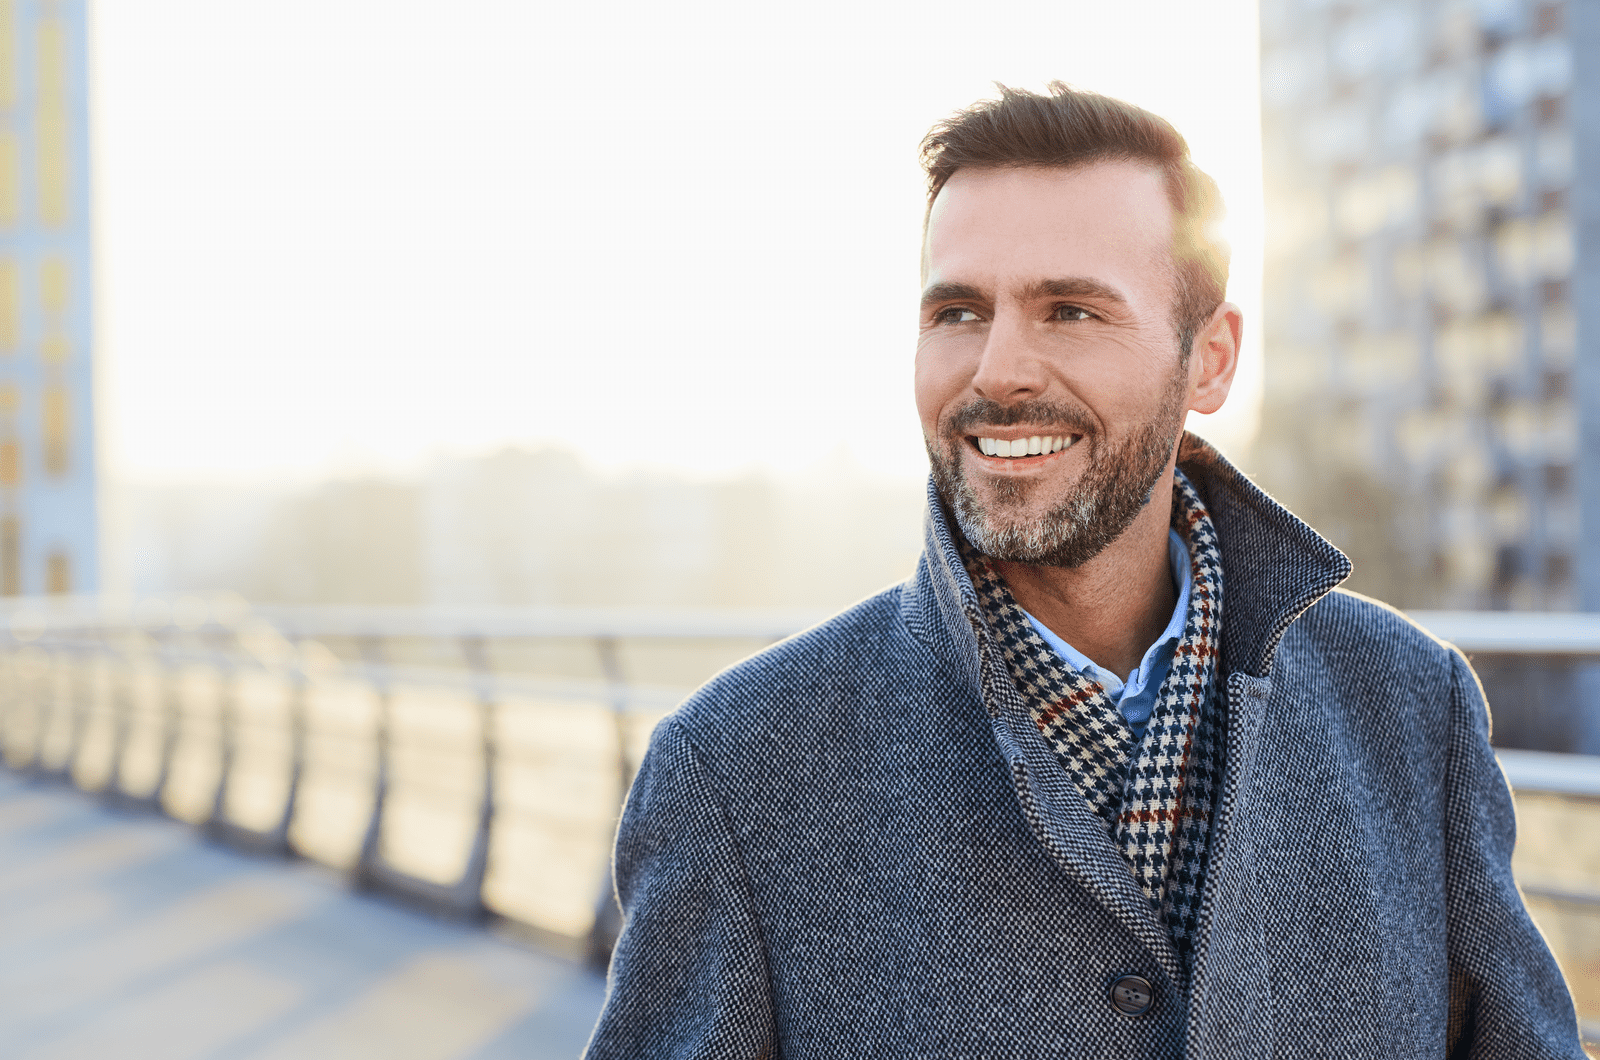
(1132,995)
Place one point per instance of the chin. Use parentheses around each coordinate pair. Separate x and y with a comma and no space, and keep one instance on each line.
(1030,496)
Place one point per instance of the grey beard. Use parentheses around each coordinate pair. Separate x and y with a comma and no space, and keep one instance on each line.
(1104,502)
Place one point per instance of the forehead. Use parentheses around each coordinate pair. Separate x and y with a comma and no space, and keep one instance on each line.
(1110,221)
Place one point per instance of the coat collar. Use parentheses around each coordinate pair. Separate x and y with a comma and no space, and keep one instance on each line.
(1275,568)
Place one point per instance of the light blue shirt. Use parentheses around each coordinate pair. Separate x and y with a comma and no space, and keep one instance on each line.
(1135,695)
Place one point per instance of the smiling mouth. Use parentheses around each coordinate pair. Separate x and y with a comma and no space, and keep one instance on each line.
(1033,445)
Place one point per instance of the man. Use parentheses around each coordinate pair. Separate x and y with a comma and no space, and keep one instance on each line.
(1118,772)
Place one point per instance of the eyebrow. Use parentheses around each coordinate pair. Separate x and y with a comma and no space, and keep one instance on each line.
(1072,287)
(951,292)
(1064,287)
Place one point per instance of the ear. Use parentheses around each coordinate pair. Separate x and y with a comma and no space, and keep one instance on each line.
(1214,358)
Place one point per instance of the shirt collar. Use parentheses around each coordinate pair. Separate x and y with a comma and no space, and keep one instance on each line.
(1139,678)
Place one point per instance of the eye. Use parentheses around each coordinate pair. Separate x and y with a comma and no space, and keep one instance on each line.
(1072,312)
(955,315)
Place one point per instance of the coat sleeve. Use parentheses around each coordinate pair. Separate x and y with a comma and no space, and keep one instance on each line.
(1507,996)
(688,977)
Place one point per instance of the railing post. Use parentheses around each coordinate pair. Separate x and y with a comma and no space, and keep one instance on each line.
(49,705)
(607,914)
(8,695)
(63,681)
(38,689)
(80,706)
(44,691)
(227,733)
(469,890)
(121,712)
(172,717)
(368,871)
(15,694)
(299,692)
(275,838)
(26,692)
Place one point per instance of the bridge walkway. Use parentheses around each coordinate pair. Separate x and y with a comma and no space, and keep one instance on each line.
(127,935)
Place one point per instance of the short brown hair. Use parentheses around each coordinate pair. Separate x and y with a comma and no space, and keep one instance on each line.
(1070,128)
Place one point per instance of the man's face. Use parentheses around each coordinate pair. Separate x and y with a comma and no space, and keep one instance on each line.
(1046,325)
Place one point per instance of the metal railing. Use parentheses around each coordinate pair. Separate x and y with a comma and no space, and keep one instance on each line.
(417,749)
(1575,634)
(472,761)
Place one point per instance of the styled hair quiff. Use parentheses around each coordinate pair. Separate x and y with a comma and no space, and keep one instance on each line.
(1070,128)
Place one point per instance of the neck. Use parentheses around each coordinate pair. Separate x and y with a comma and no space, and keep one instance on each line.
(1113,607)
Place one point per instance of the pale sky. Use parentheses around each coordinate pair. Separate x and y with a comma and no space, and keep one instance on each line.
(337,237)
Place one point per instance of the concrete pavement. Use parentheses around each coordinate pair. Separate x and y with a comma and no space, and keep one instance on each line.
(126,935)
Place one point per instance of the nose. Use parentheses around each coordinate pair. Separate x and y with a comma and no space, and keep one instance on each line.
(1010,370)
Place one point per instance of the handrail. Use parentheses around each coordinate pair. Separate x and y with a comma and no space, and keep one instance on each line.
(31,618)
(1551,774)
(635,698)
(1495,632)
(1515,632)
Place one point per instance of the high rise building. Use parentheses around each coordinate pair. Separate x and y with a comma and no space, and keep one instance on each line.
(48,532)
(1432,325)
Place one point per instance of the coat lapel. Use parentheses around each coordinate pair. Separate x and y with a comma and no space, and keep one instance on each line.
(1060,819)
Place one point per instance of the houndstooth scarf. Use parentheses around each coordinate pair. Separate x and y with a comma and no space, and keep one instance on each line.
(1155,799)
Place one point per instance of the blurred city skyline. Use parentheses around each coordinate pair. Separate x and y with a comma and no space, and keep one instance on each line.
(523,527)
(360,240)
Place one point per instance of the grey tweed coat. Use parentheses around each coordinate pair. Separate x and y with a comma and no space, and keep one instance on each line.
(856,844)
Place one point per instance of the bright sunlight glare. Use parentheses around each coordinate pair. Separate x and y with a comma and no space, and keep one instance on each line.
(357,236)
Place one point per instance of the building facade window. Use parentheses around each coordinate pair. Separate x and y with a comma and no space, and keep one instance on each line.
(52,124)
(10,556)
(58,574)
(57,421)
(10,205)
(8,52)
(10,463)
(54,286)
(10,303)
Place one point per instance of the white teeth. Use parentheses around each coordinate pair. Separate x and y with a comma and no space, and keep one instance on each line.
(1032,446)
